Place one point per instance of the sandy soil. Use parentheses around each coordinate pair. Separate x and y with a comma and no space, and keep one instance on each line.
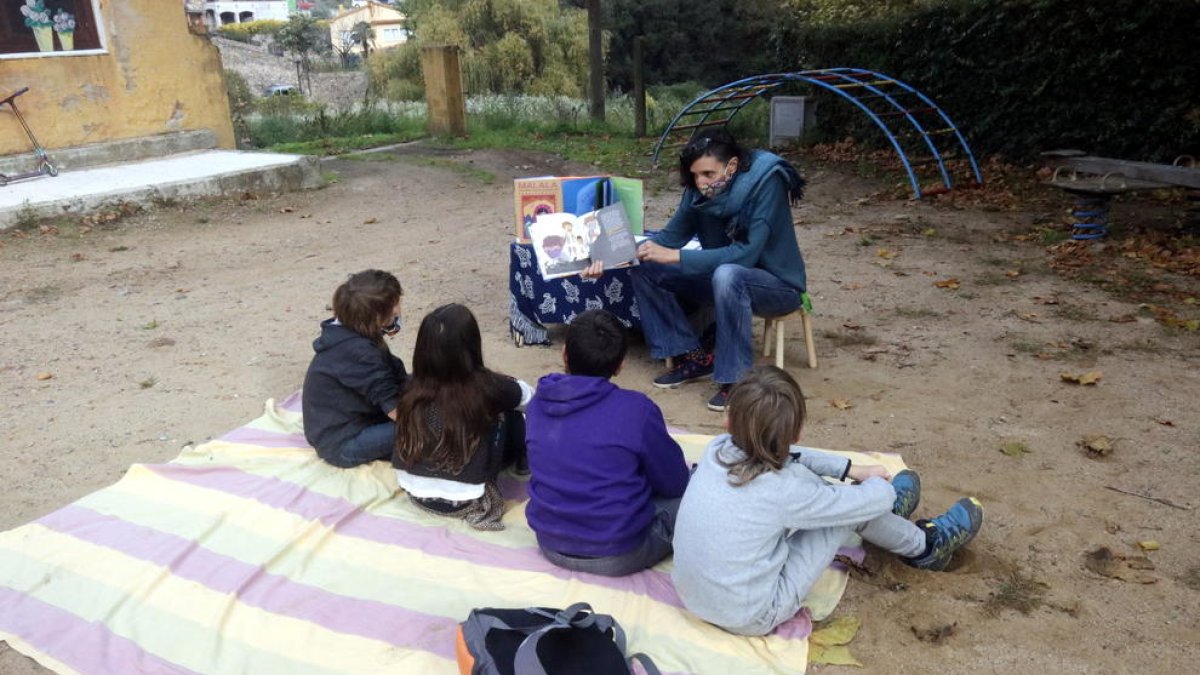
(173,326)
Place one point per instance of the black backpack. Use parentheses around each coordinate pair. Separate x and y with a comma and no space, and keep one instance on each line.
(543,641)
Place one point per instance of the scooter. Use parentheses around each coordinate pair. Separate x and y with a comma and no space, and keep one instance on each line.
(45,166)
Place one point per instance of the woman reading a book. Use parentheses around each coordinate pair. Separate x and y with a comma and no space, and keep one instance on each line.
(738,205)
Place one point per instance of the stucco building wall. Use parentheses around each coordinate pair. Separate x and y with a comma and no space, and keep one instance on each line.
(154,77)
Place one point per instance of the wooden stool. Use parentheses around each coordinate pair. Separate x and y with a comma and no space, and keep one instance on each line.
(778,322)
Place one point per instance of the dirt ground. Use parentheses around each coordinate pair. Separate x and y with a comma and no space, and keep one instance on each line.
(174,325)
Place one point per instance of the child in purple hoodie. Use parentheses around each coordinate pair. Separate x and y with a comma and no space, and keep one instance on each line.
(605,477)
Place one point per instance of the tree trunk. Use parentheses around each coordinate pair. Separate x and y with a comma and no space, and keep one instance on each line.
(595,62)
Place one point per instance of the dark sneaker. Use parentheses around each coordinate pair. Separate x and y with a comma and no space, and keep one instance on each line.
(947,533)
(720,399)
(908,492)
(690,366)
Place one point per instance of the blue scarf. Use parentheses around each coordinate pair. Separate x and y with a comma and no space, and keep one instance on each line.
(728,205)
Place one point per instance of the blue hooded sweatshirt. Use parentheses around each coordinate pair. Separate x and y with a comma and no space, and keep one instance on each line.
(598,455)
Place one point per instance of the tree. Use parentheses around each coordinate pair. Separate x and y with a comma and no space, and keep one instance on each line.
(364,37)
(303,36)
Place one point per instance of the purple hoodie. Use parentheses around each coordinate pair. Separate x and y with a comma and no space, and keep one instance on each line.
(598,454)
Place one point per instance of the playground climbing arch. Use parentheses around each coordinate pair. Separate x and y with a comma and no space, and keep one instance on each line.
(920,132)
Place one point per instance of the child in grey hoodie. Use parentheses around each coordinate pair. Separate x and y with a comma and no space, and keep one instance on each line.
(758,524)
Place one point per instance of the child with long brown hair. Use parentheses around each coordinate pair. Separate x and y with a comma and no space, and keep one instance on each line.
(458,424)
(354,381)
(759,523)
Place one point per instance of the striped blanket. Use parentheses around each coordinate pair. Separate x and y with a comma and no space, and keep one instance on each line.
(247,554)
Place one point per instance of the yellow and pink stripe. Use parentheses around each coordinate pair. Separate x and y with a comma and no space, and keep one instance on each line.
(248,554)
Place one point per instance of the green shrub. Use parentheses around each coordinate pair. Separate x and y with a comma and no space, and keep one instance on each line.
(245,32)
(1020,77)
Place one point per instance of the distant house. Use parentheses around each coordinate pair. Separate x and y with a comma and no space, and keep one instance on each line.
(386,23)
(219,13)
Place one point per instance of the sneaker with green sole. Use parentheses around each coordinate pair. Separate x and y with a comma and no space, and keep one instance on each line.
(947,533)
(907,485)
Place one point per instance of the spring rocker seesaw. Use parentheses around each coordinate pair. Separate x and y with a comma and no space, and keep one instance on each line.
(45,166)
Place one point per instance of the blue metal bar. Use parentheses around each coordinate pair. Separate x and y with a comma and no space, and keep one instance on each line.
(950,124)
(907,115)
(821,78)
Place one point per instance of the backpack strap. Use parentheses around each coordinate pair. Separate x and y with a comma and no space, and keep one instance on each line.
(578,615)
(646,663)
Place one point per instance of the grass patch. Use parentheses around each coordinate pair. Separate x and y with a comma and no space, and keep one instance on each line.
(1049,236)
(917,313)
(1017,591)
(485,177)
(850,338)
(991,279)
(340,145)
(620,154)
(1142,346)
(148,382)
(26,218)
(1027,346)
(371,157)
(1075,313)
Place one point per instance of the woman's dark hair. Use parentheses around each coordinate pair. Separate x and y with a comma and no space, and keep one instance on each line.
(766,413)
(596,344)
(443,413)
(365,302)
(716,143)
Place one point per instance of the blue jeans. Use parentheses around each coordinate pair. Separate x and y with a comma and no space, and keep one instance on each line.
(375,442)
(736,294)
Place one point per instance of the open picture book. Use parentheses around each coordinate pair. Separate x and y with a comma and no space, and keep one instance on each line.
(566,244)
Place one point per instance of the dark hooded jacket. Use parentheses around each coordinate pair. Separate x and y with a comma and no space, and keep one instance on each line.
(352,383)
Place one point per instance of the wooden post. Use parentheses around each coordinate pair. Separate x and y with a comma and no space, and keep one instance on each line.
(444,99)
(639,87)
(595,62)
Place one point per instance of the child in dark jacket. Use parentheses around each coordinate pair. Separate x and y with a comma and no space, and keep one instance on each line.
(458,424)
(605,477)
(353,382)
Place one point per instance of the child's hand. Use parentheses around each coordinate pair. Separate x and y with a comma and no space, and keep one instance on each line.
(860,472)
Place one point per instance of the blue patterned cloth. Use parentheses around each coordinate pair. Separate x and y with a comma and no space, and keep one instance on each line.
(535,302)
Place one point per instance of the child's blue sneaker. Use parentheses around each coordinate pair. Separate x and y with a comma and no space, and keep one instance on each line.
(907,485)
(947,533)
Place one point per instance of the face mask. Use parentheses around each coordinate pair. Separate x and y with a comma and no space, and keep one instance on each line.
(393,327)
(719,186)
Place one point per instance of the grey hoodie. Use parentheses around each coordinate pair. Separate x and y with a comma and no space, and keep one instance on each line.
(731,541)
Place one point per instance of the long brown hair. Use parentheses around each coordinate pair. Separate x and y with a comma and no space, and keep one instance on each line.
(365,301)
(443,414)
(766,413)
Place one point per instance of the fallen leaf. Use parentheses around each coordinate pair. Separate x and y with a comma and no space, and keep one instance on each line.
(1096,445)
(43,376)
(370,221)
(1012,274)
(286,209)
(1164,422)
(1045,301)
(1088,378)
(841,403)
(1031,317)
(852,287)
(1015,449)
(827,644)
(951,283)
(1104,562)
(929,232)
(886,253)
(934,634)
(1148,545)
(1124,318)
(1111,527)
(850,325)
(78,257)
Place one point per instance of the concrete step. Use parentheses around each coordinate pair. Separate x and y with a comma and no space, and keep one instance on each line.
(110,152)
(189,175)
